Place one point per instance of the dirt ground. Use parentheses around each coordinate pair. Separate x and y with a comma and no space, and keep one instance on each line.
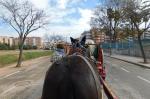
(25,82)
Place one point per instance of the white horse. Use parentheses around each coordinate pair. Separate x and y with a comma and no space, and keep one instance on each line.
(91,47)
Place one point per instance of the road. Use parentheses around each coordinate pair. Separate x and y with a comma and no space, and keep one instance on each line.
(25,83)
(127,80)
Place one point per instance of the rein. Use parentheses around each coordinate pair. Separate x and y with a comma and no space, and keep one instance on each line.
(96,76)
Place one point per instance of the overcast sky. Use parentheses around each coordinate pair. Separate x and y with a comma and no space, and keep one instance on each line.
(68,17)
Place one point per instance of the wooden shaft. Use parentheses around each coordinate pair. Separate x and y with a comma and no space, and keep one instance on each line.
(108,91)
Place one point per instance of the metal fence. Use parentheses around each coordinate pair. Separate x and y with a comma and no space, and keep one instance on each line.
(130,48)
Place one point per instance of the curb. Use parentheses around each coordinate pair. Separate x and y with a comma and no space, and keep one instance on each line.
(143,66)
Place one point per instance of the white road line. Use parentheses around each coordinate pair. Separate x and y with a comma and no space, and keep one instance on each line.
(143,79)
(125,69)
(10,74)
(8,90)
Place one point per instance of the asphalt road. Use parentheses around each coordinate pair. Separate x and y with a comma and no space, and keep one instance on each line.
(127,80)
(26,83)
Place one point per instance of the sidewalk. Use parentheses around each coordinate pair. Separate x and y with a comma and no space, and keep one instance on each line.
(134,60)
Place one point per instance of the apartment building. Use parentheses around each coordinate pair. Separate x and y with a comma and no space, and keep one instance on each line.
(34,41)
(99,36)
(6,40)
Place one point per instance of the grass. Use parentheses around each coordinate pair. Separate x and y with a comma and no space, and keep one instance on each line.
(13,57)
(32,55)
(7,59)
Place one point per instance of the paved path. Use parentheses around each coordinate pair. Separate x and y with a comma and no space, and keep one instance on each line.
(127,80)
(134,60)
(26,82)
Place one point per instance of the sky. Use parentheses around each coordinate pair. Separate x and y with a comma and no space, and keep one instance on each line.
(67,17)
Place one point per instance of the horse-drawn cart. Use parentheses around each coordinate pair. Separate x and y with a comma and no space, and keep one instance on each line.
(99,63)
(77,75)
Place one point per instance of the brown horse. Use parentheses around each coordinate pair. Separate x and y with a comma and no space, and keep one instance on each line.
(72,77)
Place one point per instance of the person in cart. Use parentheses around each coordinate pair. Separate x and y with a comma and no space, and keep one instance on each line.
(98,56)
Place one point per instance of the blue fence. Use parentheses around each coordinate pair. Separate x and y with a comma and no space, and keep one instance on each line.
(117,45)
(125,44)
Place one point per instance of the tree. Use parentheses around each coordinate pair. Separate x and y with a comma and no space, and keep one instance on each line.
(138,14)
(24,18)
(47,41)
(107,18)
(51,40)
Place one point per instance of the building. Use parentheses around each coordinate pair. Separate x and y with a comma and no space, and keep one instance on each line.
(99,36)
(6,40)
(34,41)
(87,34)
(15,41)
(146,35)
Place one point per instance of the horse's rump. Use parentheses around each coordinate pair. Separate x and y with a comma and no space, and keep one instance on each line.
(72,77)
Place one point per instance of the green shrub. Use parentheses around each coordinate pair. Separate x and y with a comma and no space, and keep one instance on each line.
(14,47)
(4,46)
(28,47)
(7,47)
(34,47)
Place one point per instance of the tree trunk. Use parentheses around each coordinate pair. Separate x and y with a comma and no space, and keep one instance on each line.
(21,43)
(142,49)
(110,30)
(20,56)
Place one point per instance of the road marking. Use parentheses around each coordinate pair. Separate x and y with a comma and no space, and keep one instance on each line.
(10,74)
(143,79)
(8,90)
(125,69)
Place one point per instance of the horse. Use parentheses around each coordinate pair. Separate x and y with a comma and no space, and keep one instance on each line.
(91,47)
(72,77)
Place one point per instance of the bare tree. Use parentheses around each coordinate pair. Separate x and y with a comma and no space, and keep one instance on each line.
(51,40)
(24,18)
(47,41)
(56,38)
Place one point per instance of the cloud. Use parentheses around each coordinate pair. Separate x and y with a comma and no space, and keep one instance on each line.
(86,15)
(77,1)
(62,17)
(63,3)
(76,27)
(42,4)
(59,15)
